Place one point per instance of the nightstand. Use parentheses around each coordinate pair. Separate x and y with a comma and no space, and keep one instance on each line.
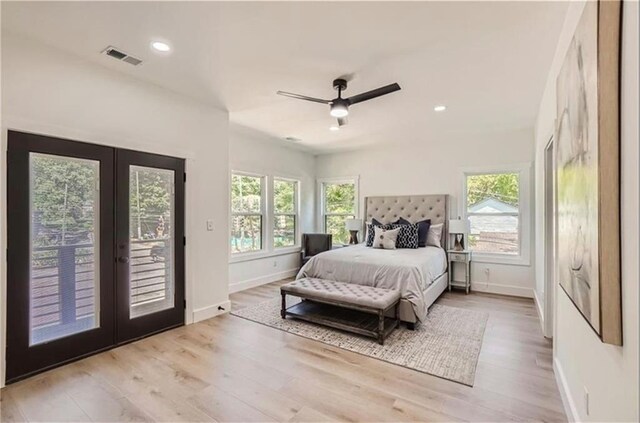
(460,257)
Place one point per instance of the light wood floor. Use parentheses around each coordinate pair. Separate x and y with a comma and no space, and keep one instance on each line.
(230,369)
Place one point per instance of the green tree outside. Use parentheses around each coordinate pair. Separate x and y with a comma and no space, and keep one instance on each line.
(64,192)
(246,205)
(339,205)
(284,209)
(500,186)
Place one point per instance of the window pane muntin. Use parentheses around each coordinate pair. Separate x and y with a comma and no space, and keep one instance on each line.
(246,233)
(284,230)
(339,197)
(246,193)
(492,207)
(284,196)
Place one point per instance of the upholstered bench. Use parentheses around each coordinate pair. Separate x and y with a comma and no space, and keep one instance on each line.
(355,308)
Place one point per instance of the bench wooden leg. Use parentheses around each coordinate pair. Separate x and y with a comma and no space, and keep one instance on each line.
(381,327)
(283,310)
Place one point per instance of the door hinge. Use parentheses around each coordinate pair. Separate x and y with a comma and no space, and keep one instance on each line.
(184,241)
(184,303)
(185,176)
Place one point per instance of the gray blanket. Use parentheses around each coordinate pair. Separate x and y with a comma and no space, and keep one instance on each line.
(409,270)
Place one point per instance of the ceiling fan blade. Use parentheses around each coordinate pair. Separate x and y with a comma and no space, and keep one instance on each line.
(304,97)
(342,121)
(388,89)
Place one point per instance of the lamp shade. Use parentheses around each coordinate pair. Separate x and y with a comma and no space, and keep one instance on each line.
(353,224)
(458,226)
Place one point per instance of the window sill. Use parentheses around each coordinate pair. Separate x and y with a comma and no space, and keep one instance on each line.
(500,259)
(242,257)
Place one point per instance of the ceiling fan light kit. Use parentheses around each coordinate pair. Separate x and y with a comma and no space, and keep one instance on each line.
(339,107)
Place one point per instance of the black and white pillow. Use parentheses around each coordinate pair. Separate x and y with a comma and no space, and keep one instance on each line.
(423,230)
(408,235)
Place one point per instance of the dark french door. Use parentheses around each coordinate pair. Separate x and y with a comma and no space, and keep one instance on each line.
(95,249)
(149,245)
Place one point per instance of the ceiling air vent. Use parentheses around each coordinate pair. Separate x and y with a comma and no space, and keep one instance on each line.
(122,56)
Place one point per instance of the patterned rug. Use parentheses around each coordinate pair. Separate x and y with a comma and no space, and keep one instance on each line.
(446,345)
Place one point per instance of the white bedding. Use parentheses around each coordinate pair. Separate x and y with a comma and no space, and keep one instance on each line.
(409,270)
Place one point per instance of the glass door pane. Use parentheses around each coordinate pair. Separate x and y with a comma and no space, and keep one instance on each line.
(64,255)
(149,243)
(151,240)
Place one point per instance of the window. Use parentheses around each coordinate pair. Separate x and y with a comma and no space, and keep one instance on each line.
(338,204)
(285,212)
(247,192)
(499,221)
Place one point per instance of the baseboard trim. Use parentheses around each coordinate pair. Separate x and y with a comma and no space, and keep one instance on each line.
(262,280)
(208,312)
(569,405)
(540,310)
(492,288)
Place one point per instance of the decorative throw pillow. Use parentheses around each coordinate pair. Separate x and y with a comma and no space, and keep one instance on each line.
(371,230)
(435,235)
(408,235)
(423,230)
(385,238)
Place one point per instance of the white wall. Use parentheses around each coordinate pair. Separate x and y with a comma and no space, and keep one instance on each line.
(609,373)
(435,166)
(50,92)
(254,152)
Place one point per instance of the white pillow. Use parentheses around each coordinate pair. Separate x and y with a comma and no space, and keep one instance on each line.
(385,238)
(434,235)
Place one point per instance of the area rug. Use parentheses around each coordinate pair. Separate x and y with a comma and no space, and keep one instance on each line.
(446,345)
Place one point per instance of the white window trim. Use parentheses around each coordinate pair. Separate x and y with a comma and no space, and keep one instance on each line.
(321,203)
(263,209)
(525,205)
(296,213)
(268,250)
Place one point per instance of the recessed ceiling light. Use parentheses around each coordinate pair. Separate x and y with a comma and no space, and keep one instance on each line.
(161,46)
(440,108)
(334,128)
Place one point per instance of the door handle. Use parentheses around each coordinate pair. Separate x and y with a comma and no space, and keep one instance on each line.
(123,259)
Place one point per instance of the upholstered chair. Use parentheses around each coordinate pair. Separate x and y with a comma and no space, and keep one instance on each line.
(313,244)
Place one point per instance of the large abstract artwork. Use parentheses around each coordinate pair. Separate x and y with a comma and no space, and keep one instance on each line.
(587,165)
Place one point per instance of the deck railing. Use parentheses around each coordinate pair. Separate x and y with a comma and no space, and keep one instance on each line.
(63,280)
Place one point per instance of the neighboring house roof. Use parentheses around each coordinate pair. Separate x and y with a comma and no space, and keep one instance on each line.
(491,205)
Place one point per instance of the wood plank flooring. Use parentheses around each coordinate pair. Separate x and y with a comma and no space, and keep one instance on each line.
(231,369)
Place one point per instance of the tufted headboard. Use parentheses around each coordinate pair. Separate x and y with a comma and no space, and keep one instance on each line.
(411,207)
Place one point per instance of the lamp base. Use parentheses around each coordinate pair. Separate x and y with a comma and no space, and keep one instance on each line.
(459,245)
(354,237)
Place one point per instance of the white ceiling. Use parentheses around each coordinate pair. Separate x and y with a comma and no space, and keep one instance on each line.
(487,61)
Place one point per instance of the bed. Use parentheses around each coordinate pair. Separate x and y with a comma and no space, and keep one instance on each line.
(420,274)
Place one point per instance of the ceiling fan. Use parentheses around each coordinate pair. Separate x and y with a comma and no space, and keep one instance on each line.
(339,107)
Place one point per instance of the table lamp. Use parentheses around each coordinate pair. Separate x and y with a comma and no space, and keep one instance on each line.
(459,228)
